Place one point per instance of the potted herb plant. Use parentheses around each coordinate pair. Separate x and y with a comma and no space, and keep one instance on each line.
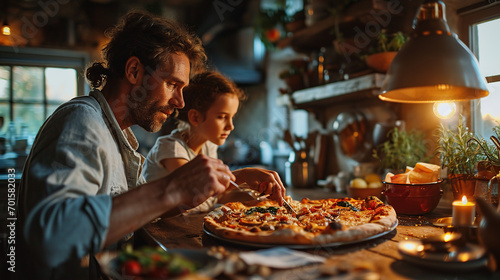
(491,166)
(385,49)
(402,149)
(269,26)
(488,170)
(460,155)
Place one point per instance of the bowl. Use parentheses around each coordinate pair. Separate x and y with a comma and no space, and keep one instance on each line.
(362,193)
(413,199)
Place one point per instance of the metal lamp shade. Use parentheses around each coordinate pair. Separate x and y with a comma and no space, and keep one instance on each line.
(433,66)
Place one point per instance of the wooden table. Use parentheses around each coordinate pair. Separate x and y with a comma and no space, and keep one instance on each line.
(186,232)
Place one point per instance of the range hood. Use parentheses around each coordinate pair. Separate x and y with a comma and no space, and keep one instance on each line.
(235,54)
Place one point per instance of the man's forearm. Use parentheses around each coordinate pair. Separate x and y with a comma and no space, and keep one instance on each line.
(135,208)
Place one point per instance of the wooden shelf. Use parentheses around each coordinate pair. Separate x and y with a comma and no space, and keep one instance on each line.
(367,86)
(359,15)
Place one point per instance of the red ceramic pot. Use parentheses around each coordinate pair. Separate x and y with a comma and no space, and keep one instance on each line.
(413,199)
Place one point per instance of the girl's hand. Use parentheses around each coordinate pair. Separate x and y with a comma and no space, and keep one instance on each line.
(262,180)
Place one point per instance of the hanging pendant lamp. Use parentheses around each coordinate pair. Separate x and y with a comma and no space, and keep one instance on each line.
(434,65)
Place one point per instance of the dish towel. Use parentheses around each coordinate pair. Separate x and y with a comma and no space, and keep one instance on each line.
(280,257)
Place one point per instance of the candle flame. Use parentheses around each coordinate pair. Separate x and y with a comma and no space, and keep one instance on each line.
(448,236)
(464,200)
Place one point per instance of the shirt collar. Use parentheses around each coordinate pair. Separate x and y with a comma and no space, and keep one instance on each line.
(127,133)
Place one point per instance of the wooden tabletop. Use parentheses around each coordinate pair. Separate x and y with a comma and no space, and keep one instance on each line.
(186,231)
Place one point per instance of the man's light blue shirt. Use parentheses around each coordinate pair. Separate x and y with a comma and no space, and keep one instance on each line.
(80,159)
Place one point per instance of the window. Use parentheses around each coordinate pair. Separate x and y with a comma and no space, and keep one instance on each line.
(489,63)
(479,27)
(33,83)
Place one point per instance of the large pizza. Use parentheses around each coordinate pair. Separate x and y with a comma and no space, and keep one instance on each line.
(315,221)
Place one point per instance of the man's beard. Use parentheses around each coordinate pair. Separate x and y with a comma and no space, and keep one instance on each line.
(144,116)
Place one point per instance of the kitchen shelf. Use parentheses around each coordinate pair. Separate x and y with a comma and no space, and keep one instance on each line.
(367,86)
(359,14)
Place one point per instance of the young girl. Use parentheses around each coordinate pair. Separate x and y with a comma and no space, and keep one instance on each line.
(211,101)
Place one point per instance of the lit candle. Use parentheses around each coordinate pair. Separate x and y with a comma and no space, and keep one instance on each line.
(464,212)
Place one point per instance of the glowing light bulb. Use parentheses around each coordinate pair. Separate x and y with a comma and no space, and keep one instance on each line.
(444,110)
(6,30)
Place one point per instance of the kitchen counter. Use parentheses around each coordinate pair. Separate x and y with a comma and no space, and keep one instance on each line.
(186,231)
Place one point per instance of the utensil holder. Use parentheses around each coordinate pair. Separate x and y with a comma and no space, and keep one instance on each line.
(299,170)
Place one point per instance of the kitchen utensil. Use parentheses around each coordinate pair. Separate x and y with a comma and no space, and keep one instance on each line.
(289,207)
(245,188)
(299,170)
(350,132)
(258,196)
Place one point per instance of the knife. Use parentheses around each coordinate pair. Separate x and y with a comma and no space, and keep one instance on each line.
(288,207)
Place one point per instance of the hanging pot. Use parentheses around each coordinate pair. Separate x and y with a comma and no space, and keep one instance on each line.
(350,134)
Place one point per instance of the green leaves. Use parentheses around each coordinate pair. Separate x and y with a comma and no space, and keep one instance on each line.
(457,152)
(402,149)
(389,42)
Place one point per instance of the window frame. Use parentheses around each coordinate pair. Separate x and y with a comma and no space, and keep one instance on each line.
(39,57)
(467,33)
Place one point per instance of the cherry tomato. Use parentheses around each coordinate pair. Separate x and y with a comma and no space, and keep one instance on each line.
(272,35)
(132,267)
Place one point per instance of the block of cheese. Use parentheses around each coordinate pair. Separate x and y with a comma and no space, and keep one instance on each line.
(424,173)
(408,169)
(388,177)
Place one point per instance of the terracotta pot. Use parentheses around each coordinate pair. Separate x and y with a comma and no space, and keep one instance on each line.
(486,181)
(463,184)
(486,170)
(380,62)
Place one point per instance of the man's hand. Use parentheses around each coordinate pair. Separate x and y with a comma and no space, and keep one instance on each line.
(197,180)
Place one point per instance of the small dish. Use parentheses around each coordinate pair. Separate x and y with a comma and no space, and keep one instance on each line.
(205,264)
(457,258)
